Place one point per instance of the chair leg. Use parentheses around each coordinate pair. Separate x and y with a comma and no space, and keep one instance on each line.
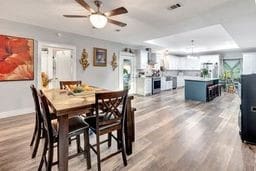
(87,153)
(109,139)
(38,137)
(50,158)
(78,146)
(34,133)
(119,137)
(43,154)
(123,149)
(98,151)
(58,150)
(69,141)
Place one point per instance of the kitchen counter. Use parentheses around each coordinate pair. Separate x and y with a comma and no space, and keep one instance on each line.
(200,79)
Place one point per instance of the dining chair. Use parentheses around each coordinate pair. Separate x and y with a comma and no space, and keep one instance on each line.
(38,128)
(67,84)
(77,126)
(110,110)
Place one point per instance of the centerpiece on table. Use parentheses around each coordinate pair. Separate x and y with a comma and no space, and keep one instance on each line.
(79,90)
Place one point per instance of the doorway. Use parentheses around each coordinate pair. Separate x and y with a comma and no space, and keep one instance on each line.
(127,73)
(56,63)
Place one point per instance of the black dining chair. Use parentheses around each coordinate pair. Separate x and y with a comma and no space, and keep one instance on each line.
(77,126)
(110,110)
(38,128)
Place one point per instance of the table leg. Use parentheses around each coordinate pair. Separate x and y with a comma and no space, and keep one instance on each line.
(63,142)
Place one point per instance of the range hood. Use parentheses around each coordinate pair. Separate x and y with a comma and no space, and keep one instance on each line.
(151,57)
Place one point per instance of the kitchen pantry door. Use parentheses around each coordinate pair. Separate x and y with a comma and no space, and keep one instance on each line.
(127,73)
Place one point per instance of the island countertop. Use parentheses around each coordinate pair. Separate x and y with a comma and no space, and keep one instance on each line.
(200,79)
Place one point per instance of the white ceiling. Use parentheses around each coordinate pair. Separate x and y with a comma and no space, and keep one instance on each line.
(146,19)
(208,39)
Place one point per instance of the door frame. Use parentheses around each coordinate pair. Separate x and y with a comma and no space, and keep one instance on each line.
(54,45)
(122,56)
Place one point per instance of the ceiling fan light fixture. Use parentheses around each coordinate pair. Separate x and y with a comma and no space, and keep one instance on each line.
(98,20)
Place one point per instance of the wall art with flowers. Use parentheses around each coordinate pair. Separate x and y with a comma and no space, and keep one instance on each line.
(16,58)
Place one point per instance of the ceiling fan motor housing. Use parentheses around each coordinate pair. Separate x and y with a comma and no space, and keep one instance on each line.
(98,3)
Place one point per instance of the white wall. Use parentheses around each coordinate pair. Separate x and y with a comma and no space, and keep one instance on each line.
(16,96)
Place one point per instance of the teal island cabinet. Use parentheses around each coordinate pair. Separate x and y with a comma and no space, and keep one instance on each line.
(196,88)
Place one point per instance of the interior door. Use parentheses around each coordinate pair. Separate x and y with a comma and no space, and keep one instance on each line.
(56,65)
(63,70)
(127,74)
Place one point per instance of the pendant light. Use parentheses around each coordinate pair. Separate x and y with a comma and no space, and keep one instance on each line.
(192,56)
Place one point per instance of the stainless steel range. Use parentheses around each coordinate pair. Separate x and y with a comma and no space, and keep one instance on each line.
(156,85)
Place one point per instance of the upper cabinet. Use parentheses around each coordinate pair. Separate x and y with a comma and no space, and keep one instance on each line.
(181,63)
(142,59)
(188,63)
(249,63)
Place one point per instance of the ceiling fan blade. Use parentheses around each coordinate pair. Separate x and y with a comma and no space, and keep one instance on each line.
(85,5)
(75,16)
(116,11)
(117,23)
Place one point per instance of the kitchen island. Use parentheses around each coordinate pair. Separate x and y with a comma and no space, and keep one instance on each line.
(196,88)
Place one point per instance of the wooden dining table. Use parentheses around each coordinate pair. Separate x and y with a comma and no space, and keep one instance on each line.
(66,105)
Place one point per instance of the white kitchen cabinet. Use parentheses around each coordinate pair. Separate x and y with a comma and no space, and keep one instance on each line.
(163,83)
(142,59)
(144,86)
(249,63)
(181,63)
(168,85)
(180,81)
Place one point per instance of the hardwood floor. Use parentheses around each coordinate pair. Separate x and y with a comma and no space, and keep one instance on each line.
(171,134)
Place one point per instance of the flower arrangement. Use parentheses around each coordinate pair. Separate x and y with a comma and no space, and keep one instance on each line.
(45,79)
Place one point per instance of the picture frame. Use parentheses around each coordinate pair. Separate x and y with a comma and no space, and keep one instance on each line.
(99,57)
(19,52)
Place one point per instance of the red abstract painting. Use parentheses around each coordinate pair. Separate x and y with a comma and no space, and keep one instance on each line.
(16,58)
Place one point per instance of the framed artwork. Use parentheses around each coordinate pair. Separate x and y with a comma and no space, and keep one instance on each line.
(16,58)
(99,57)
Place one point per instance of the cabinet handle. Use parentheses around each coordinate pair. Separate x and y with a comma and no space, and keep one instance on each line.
(253,108)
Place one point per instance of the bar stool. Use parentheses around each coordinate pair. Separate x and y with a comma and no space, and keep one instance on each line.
(210,93)
(219,89)
(215,90)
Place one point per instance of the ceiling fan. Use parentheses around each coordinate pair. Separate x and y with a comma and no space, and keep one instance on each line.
(97,18)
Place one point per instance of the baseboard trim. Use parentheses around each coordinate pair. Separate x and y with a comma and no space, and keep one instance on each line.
(11,113)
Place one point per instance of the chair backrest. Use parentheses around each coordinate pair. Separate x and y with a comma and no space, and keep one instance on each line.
(67,84)
(112,106)
(46,117)
(36,103)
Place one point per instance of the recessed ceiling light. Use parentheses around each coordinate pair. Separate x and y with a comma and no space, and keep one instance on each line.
(118,30)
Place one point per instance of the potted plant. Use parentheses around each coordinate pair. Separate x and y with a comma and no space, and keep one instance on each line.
(204,72)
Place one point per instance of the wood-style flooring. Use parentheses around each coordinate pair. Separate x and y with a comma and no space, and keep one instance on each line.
(171,134)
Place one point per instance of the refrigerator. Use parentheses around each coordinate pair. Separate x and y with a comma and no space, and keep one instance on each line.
(247,116)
